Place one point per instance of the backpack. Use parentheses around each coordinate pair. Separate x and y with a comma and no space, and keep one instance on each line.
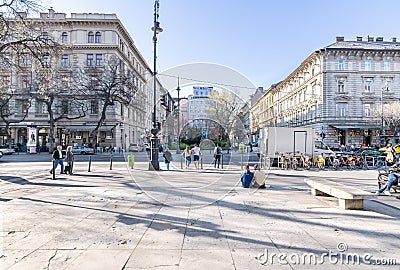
(219,152)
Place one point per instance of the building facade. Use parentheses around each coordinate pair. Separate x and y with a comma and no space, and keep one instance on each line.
(89,39)
(199,104)
(338,91)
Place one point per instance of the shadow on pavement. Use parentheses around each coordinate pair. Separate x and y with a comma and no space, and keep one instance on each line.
(23,181)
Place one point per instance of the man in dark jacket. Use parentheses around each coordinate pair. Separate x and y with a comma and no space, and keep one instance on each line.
(58,159)
(247,177)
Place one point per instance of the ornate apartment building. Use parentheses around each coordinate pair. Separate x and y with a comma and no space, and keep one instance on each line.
(89,40)
(337,91)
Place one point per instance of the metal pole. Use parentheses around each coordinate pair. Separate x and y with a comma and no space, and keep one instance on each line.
(54,170)
(178,149)
(382,130)
(90,163)
(154,164)
(111,156)
(222,161)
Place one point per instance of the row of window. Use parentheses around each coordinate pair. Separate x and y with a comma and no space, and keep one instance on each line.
(92,37)
(368,82)
(22,106)
(367,65)
(92,60)
(342,110)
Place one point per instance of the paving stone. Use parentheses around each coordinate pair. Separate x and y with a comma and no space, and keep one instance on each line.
(184,220)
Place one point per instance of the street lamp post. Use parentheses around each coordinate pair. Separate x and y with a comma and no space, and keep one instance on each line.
(382,130)
(385,88)
(178,149)
(154,164)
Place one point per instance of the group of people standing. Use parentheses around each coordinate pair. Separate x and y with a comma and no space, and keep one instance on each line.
(187,154)
(193,154)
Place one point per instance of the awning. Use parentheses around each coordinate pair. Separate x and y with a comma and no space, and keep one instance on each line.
(87,128)
(355,127)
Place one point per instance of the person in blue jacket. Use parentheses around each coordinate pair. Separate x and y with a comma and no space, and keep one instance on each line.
(247,177)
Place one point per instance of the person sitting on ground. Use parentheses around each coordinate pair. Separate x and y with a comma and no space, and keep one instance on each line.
(393,179)
(247,177)
(259,177)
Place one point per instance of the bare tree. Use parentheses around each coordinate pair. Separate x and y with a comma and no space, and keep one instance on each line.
(110,85)
(225,112)
(22,42)
(390,116)
(62,98)
(16,113)
(18,34)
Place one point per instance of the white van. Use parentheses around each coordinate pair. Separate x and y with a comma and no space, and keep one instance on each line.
(320,148)
(135,147)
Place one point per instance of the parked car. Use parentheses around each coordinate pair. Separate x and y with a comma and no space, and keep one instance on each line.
(368,152)
(146,146)
(135,147)
(4,150)
(82,150)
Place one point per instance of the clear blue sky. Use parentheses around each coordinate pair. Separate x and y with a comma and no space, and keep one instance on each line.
(265,40)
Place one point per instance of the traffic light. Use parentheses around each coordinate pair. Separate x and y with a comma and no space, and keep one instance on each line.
(163,101)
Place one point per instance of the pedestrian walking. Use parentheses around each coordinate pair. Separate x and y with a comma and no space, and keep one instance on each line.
(188,156)
(167,158)
(70,160)
(217,155)
(390,154)
(58,159)
(196,155)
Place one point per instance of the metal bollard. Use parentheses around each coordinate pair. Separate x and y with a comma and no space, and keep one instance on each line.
(201,163)
(54,170)
(182,162)
(90,163)
(111,156)
(222,161)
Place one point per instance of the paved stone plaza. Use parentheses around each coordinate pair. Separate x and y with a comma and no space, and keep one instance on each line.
(188,219)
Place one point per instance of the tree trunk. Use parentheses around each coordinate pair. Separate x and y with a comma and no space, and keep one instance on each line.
(95,132)
(8,134)
(52,124)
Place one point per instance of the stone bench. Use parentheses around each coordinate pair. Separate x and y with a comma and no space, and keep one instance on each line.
(349,197)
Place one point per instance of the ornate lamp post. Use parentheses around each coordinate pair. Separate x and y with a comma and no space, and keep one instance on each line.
(154,164)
